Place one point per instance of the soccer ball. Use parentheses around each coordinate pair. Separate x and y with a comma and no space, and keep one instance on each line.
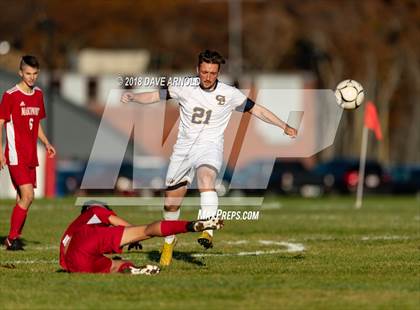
(349,94)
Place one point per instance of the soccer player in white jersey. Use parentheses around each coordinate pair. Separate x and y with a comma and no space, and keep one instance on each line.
(205,111)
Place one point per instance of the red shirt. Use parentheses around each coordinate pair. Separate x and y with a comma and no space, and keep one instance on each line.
(22,113)
(95,215)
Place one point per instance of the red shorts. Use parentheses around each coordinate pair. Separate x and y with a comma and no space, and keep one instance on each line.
(21,175)
(88,245)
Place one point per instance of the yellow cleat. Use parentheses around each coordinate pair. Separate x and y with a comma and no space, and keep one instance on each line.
(206,240)
(166,253)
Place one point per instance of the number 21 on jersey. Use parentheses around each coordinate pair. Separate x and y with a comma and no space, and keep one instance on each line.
(201,116)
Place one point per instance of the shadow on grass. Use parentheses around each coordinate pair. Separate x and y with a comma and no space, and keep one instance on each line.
(61,271)
(8,266)
(24,241)
(294,257)
(183,256)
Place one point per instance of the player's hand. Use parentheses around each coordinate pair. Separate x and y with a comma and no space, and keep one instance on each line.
(127,97)
(290,131)
(2,161)
(135,246)
(50,150)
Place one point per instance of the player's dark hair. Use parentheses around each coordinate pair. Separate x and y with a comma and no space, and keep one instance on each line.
(30,61)
(94,203)
(211,57)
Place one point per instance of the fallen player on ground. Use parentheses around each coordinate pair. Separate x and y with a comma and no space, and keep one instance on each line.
(98,231)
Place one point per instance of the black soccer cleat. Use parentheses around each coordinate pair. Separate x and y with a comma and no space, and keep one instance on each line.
(135,246)
(14,244)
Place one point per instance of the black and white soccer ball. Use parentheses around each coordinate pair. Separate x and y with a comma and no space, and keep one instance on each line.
(349,94)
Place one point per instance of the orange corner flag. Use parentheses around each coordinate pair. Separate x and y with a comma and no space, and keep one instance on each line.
(372,120)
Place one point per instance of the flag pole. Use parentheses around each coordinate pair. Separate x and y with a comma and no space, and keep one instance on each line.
(362,163)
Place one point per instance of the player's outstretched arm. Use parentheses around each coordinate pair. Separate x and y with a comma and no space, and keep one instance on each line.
(50,149)
(269,117)
(2,159)
(142,98)
(118,221)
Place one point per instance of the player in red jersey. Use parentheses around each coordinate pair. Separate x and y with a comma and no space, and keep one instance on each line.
(21,110)
(98,231)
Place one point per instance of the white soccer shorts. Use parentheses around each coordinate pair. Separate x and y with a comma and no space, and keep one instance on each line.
(184,162)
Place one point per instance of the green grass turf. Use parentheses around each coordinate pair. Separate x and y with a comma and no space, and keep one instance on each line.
(368,258)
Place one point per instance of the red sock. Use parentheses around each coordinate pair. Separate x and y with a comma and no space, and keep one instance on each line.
(17,220)
(168,228)
(126,266)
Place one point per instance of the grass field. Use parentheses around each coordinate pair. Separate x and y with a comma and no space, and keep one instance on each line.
(343,259)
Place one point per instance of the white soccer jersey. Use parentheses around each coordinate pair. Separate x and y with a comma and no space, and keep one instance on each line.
(204,114)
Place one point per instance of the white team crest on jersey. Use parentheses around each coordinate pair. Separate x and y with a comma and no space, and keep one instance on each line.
(22,104)
(94,220)
(221,100)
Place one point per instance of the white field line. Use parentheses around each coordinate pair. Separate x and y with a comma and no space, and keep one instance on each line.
(367,238)
(289,248)
(30,261)
(364,238)
(237,242)
(45,247)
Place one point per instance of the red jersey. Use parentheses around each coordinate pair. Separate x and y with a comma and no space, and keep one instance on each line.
(95,215)
(22,113)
